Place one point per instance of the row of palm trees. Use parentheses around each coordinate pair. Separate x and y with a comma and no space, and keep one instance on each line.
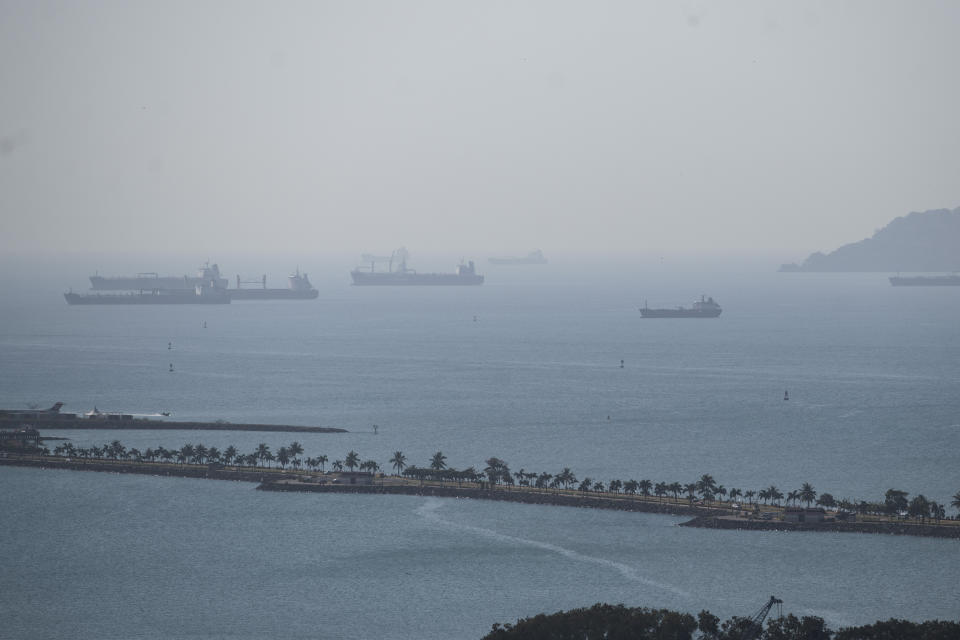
(496,472)
(261,457)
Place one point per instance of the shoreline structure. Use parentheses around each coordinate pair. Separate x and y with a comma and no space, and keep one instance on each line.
(65,421)
(304,482)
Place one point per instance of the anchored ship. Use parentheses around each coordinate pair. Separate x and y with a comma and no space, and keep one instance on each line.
(534,257)
(466,274)
(950,280)
(150,281)
(201,294)
(702,308)
(298,288)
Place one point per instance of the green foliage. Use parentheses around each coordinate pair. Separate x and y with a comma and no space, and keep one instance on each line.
(616,622)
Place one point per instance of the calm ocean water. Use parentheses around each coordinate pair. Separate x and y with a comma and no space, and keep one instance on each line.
(525,368)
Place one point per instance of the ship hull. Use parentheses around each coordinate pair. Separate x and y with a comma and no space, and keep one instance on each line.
(397,279)
(679,313)
(166,283)
(272,294)
(145,298)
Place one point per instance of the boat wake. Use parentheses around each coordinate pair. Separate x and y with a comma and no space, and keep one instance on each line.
(429,511)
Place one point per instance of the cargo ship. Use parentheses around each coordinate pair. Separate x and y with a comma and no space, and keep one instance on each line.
(298,288)
(702,308)
(150,281)
(198,295)
(534,257)
(950,280)
(466,274)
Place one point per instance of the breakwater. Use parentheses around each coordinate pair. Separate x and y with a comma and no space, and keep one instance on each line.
(77,422)
(713,521)
(286,481)
(211,472)
(543,497)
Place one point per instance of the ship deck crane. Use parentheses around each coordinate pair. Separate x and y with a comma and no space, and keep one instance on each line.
(755,625)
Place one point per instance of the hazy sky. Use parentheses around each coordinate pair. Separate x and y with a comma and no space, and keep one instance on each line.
(498,126)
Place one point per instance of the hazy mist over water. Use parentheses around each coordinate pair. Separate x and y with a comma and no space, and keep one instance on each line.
(655,152)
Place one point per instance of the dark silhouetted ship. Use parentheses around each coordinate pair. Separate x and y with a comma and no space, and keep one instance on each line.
(703,308)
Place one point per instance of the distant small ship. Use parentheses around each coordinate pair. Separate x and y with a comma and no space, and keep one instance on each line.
(208,274)
(298,288)
(703,308)
(466,274)
(534,257)
(950,280)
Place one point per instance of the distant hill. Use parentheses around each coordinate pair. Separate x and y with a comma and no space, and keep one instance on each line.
(920,241)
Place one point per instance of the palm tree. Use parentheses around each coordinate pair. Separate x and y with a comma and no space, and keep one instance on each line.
(676,489)
(352,460)
(283,457)
(438,462)
(807,494)
(630,487)
(199,453)
(229,454)
(294,449)
(793,496)
(586,485)
(764,494)
(321,461)
(749,495)
(263,453)
(660,489)
(566,478)
(721,491)
(213,455)
(691,490)
(706,485)
(338,465)
(645,486)
(185,454)
(955,503)
(615,486)
(398,461)
(734,494)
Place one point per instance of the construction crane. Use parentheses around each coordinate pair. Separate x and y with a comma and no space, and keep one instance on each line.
(755,625)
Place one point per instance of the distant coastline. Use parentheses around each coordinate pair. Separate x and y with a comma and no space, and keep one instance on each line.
(66,421)
(276,480)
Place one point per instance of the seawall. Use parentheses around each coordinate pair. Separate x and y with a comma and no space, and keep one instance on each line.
(893,528)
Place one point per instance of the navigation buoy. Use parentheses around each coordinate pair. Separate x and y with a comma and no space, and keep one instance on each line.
(204,324)
(169,346)
(375,427)
(474,318)
(621,364)
(786,396)
(171,367)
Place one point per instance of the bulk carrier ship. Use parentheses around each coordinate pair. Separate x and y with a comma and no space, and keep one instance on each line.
(466,274)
